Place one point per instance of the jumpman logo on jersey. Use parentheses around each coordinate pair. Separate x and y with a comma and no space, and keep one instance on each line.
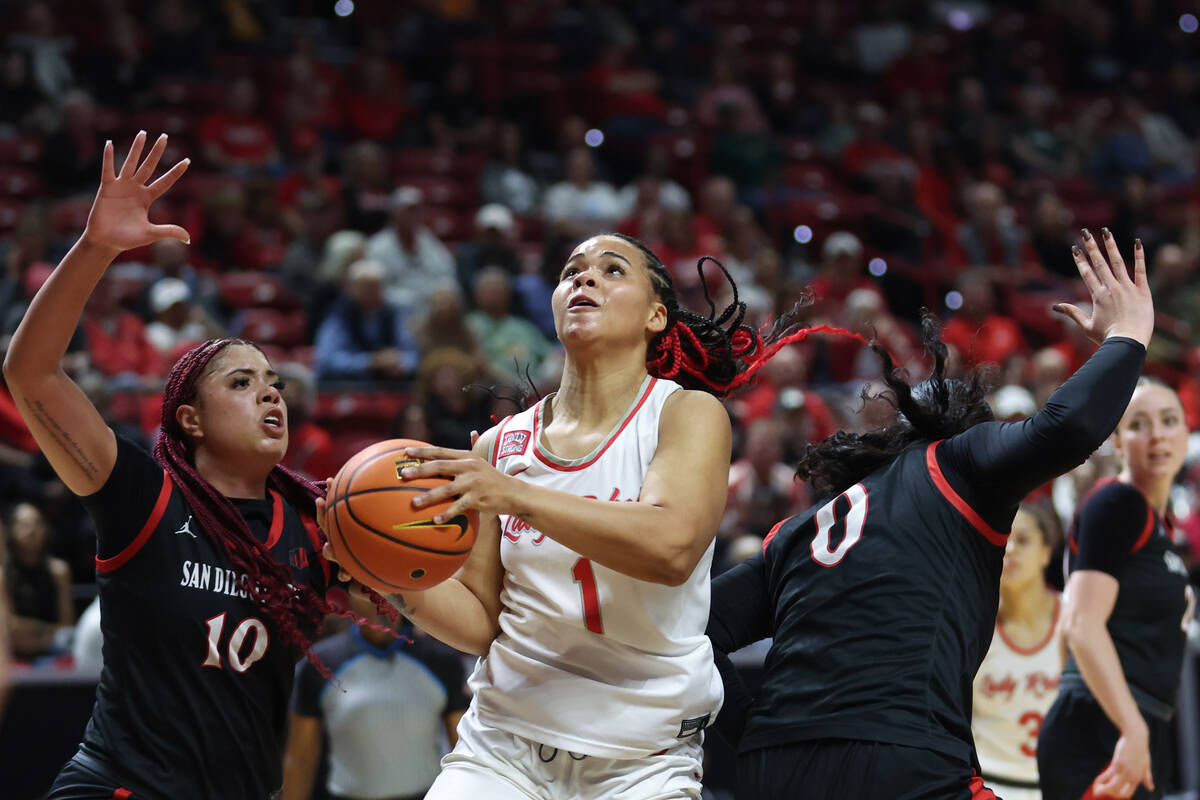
(187,527)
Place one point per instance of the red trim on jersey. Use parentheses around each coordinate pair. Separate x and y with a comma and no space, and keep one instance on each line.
(314,536)
(1031,651)
(629,418)
(121,794)
(1146,531)
(131,549)
(276,520)
(495,448)
(979,791)
(943,486)
(771,534)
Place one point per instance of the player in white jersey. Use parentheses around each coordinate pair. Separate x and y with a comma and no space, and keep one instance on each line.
(1018,679)
(587,591)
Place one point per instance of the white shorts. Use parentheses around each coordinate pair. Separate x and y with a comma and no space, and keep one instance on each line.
(489,764)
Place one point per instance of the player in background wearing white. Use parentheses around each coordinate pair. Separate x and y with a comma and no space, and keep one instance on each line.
(587,591)
(1018,679)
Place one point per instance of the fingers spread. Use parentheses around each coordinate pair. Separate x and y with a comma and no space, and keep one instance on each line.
(135,155)
(1076,315)
(429,453)
(107,172)
(160,186)
(1099,265)
(1093,284)
(171,232)
(151,163)
(1120,272)
(1139,265)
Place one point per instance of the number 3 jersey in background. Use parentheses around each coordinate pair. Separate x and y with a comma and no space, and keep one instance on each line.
(589,660)
(193,696)
(1014,689)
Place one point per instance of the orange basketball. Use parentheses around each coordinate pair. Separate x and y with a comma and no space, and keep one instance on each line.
(376,533)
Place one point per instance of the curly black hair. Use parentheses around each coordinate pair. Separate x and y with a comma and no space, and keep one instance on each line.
(933,409)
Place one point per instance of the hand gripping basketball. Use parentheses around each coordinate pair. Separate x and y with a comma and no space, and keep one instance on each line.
(380,536)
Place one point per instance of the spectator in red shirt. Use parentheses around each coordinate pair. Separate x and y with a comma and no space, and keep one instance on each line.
(840,273)
(869,149)
(116,340)
(377,107)
(238,138)
(978,332)
(762,488)
(310,447)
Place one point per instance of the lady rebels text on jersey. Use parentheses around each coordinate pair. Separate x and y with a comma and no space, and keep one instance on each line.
(193,696)
(590,660)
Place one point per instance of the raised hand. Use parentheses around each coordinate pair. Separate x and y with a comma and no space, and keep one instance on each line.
(1120,306)
(119,219)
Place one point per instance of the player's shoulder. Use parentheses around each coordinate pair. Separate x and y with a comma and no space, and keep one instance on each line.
(1114,497)
(694,410)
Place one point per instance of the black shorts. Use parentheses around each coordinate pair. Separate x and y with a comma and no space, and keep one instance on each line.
(84,778)
(834,769)
(1076,744)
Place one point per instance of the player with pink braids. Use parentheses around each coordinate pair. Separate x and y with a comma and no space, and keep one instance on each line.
(207,556)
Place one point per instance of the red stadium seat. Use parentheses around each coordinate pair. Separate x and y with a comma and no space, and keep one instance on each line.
(255,290)
(271,326)
(415,163)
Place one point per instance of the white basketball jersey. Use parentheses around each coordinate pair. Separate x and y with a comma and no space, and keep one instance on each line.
(589,660)
(1014,689)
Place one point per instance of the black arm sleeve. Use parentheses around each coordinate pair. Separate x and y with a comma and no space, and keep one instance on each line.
(741,611)
(996,464)
(123,504)
(1109,526)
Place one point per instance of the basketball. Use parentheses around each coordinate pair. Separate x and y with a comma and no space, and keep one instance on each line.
(379,537)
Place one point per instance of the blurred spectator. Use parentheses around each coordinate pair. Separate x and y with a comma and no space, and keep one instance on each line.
(316,219)
(727,94)
(990,236)
(511,344)
(870,151)
(652,192)
(179,40)
(762,489)
(117,340)
(310,447)
(307,92)
(169,259)
(779,93)
(781,391)
(1049,369)
(445,325)
(1050,237)
(416,261)
(1012,403)
(38,584)
(718,206)
(865,312)
(229,241)
(177,321)
(402,694)
(1176,289)
(580,206)
(365,337)
(1036,146)
(453,404)
(505,179)
(239,138)
(840,273)
(49,63)
(377,105)
(70,157)
(306,182)
(368,188)
(625,92)
(22,106)
(492,244)
(748,157)
(456,115)
(117,72)
(1120,151)
(978,332)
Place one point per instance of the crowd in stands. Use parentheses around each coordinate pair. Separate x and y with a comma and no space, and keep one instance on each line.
(383,201)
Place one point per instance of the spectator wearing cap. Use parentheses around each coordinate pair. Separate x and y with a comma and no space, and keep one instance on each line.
(511,344)
(492,244)
(580,206)
(416,263)
(169,259)
(1012,403)
(365,337)
(840,273)
(177,321)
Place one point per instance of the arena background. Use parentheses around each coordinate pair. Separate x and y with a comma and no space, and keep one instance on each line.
(870,159)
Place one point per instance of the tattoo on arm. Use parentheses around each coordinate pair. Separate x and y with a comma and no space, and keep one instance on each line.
(62,438)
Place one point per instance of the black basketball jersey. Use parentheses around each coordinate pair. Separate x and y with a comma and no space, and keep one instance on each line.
(194,691)
(882,602)
(1116,531)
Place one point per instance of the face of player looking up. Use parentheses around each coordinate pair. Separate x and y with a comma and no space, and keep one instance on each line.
(1026,555)
(605,294)
(1152,437)
(238,416)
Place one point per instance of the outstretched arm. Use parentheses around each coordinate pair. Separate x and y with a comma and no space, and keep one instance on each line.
(70,431)
(996,465)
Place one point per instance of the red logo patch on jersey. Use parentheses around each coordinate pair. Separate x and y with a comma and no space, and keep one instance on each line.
(513,443)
